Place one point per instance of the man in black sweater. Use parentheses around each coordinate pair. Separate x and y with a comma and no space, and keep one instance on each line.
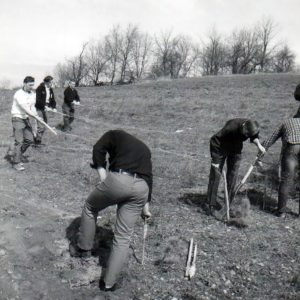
(71,98)
(226,145)
(45,101)
(127,184)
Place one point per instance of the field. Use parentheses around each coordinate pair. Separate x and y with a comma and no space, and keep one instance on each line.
(40,207)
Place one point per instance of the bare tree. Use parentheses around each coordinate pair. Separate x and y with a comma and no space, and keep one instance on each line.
(213,56)
(141,52)
(163,48)
(96,61)
(266,33)
(78,66)
(62,73)
(126,48)
(112,50)
(243,51)
(284,60)
(174,56)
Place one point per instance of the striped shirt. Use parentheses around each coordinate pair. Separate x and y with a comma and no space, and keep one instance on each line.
(289,131)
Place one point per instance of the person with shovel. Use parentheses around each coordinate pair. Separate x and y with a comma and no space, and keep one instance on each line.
(71,98)
(23,107)
(127,184)
(289,132)
(226,145)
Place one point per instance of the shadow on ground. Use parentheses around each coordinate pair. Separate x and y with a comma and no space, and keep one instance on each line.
(102,241)
(196,199)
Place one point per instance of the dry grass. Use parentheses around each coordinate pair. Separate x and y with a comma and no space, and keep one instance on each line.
(39,207)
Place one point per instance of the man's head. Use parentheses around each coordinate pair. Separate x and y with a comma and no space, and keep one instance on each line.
(72,83)
(48,81)
(250,128)
(28,83)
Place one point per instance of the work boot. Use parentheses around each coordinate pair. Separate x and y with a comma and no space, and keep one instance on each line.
(103,287)
(280,214)
(75,251)
(18,167)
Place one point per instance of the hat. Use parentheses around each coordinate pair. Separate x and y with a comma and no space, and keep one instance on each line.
(28,79)
(48,78)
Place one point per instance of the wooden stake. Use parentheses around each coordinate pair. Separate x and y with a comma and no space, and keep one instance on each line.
(192,270)
(188,263)
(226,195)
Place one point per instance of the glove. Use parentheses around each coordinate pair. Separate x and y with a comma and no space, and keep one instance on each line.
(146,214)
(217,166)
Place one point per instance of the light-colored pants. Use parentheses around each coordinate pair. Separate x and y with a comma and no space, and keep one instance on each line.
(130,194)
(23,137)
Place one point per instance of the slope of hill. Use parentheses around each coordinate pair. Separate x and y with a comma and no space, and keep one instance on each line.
(40,207)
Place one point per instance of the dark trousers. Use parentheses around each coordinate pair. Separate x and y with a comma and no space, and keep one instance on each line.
(290,156)
(69,112)
(40,127)
(233,163)
(23,137)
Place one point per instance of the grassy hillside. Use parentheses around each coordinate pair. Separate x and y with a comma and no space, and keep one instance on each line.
(39,207)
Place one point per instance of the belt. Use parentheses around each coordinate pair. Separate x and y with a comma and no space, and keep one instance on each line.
(121,171)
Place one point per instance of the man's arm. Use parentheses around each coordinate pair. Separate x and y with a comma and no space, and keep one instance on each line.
(100,149)
(277,133)
(259,146)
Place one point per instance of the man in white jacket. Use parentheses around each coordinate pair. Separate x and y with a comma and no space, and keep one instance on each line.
(23,107)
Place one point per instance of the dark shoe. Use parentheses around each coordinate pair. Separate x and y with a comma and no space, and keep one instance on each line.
(9,158)
(106,289)
(75,251)
(280,214)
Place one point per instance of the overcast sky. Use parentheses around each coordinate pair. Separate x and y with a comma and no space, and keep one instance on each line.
(37,34)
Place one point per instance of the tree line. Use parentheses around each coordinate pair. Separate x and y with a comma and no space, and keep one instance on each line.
(128,54)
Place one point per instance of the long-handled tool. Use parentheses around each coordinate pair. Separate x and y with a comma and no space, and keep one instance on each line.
(46,125)
(242,182)
(226,195)
(145,232)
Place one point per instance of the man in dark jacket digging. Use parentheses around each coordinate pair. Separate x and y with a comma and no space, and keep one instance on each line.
(127,184)
(71,98)
(226,145)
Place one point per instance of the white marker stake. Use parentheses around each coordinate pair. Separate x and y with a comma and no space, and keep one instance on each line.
(192,270)
(188,263)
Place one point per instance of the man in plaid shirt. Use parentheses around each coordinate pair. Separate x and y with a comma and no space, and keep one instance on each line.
(289,132)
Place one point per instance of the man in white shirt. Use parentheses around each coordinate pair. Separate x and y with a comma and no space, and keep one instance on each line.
(23,107)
